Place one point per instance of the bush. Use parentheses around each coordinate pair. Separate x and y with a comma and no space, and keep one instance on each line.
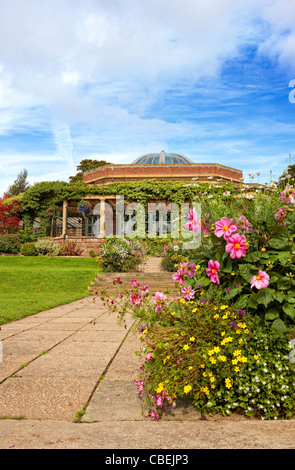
(9,243)
(120,255)
(247,256)
(29,249)
(27,235)
(47,247)
(71,248)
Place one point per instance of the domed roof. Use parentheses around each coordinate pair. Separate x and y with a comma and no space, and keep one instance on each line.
(162,158)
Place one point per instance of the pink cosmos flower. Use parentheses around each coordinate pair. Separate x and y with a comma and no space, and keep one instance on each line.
(261,281)
(224,228)
(194,221)
(212,270)
(132,252)
(165,248)
(134,282)
(188,293)
(236,246)
(148,357)
(159,301)
(159,400)
(136,299)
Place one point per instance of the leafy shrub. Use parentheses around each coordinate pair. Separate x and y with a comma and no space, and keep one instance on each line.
(27,235)
(71,248)
(9,243)
(29,249)
(118,255)
(47,247)
(247,256)
(92,254)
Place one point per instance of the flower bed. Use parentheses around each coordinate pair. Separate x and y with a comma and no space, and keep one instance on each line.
(226,340)
(120,255)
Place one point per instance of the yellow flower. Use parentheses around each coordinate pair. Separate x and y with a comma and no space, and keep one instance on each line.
(192,338)
(212,360)
(204,374)
(238,332)
(190,368)
(223,307)
(222,358)
(186,347)
(212,386)
(216,316)
(212,379)
(240,340)
(194,310)
(182,301)
(237,352)
(203,366)
(187,388)
(205,390)
(173,313)
(197,267)
(144,331)
(228,383)
(256,356)
(160,387)
(247,331)
(216,349)
(237,369)
(223,333)
(234,361)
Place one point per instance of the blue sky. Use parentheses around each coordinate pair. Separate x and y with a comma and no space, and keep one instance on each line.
(115,79)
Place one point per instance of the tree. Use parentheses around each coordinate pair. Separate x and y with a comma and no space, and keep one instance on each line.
(86,165)
(20,185)
(9,216)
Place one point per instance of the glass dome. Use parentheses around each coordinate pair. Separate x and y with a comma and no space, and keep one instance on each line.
(162,158)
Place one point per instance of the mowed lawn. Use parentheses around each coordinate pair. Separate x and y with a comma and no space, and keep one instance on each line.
(30,284)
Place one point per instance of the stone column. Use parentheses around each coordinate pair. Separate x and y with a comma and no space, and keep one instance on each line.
(102,219)
(64,218)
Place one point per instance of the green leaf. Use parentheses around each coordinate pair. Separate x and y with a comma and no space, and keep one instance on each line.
(279,326)
(205,281)
(251,257)
(233,292)
(252,303)
(242,302)
(284,256)
(278,243)
(245,271)
(279,296)
(289,310)
(272,314)
(228,267)
(264,296)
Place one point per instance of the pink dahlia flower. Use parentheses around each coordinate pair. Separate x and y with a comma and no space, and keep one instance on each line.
(236,246)
(224,228)
(188,293)
(178,277)
(212,270)
(261,281)
(244,223)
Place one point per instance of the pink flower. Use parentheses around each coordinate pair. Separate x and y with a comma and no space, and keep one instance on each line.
(261,281)
(281,215)
(120,296)
(159,400)
(288,196)
(188,293)
(213,267)
(194,221)
(122,261)
(236,246)
(178,277)
(244,223)
(148,357)
(132,252)
(224,228)
(159,301)
(101,260)
(165,248)
(136,299)
(134,282)
(154,415)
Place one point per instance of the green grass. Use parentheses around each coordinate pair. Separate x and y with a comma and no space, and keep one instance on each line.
(29,285)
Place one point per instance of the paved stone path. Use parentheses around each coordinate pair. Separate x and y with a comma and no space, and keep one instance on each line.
(77,357)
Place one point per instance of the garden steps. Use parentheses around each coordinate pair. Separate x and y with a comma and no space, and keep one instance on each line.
(150,274)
